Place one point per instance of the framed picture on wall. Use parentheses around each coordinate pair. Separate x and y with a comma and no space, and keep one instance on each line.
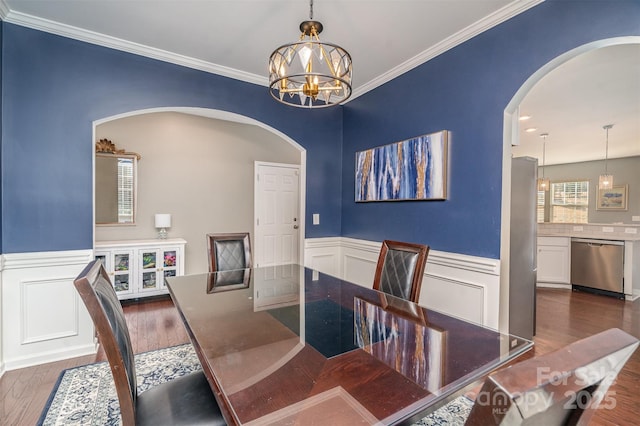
(615,198)
(413,169)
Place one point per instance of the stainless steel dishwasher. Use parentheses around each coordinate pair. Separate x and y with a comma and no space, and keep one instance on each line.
(598,264)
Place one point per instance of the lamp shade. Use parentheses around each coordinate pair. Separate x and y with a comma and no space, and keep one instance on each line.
(543,184)
(163,220)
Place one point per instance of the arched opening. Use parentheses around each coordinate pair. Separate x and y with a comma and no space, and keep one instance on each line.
(511,138)
(198,165)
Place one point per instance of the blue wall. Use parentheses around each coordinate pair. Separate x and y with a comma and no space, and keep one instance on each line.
(465,91)
(55,87)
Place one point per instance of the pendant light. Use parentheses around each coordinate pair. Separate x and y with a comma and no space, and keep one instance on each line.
(543,184)
(606,180)
(310,73)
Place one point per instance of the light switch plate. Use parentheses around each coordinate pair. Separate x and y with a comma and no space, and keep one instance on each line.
(635,218)
(607,229)
(316,218)
(630,230)
(578,228)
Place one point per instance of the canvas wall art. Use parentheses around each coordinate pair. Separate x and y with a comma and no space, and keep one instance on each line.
(414,169)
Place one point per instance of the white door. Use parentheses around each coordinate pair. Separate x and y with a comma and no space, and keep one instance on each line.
(277,199)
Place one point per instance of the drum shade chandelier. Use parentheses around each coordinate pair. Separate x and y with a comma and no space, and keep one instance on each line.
(606,180)
(309,73)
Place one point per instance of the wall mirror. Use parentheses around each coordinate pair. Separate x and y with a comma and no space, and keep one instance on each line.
(115,185)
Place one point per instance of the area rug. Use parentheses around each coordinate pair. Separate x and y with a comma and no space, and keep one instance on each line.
(455,413)
(86,395)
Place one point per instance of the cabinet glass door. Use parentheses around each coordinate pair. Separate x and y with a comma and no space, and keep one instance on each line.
(169,264)
(122,272)
(148,269)
(118,266)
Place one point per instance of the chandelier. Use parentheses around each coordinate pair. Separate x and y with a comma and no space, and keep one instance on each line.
(605,181)
(309,73)
(543,183)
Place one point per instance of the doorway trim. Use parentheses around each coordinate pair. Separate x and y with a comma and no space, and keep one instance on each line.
(511,136)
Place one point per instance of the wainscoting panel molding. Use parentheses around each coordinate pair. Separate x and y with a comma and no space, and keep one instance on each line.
(36,297)
(43,318)
(323,254)
(463,286)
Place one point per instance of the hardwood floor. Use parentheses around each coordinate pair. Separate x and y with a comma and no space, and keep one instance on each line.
(23,393)
(562,317)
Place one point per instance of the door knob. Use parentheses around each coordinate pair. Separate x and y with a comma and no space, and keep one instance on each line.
(295,226)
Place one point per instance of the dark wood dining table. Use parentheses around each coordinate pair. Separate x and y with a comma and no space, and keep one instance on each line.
(290,345)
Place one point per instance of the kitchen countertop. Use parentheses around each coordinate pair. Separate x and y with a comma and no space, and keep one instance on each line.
(607,231)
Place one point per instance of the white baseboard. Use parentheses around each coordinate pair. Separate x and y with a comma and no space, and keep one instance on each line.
(554,285)
(51,356)
(633,297)
(460,285)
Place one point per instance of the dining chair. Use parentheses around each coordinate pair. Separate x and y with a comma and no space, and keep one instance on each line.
(564,387)
(186,400)
(229,251)
(400,268)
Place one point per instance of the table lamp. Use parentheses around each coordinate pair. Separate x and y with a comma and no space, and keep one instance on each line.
(163,221)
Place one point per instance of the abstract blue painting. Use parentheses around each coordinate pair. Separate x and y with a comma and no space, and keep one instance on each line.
(414,169)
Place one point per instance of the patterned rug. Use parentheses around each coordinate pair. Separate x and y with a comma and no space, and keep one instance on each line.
(455,413)
(86,395)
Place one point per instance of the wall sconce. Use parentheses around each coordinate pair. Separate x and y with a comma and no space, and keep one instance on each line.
(163,221)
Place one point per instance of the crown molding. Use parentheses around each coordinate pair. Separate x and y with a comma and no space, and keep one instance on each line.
(4,10)
(99,39)
(507,12)
(488,22)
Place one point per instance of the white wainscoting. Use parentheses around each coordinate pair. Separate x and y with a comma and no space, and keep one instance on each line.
(43,318)
(463,286)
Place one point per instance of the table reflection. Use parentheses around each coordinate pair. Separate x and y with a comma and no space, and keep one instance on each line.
(397,333)
(228,280)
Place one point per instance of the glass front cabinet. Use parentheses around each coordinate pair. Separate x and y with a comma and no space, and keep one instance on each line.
(118,264)
(138,268)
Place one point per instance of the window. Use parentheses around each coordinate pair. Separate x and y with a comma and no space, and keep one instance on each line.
(570,202)
(540,208)
(125,190)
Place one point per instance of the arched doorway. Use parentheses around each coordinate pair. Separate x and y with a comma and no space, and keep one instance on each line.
(511,138)
(202,160)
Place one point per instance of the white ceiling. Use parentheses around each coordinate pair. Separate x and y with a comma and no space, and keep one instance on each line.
(574,101)
(234,38)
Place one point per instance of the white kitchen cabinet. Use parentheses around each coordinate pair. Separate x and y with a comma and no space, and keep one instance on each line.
(137,268)
(554,260)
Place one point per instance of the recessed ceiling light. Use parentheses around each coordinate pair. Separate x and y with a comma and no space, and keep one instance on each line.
(530,129)
(524,117)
